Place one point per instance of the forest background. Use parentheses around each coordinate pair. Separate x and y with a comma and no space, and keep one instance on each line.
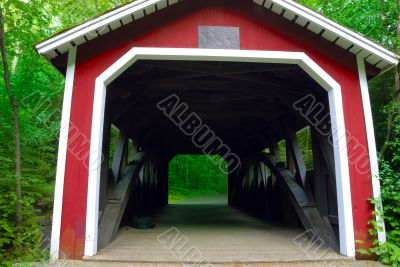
(28,140)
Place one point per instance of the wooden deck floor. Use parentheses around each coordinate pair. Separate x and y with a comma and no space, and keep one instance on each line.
(216,233)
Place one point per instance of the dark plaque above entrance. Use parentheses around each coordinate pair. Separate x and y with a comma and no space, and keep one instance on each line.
(217,37)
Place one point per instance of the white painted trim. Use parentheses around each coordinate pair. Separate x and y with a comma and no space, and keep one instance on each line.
(346,230)
(89,28)
(96,24)
(373,156)
(62,155)
(343,192)
(339,30)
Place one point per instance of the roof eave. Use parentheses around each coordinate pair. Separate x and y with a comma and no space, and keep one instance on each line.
(374,54)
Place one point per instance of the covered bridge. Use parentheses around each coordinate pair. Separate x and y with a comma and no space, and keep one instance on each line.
(233,78)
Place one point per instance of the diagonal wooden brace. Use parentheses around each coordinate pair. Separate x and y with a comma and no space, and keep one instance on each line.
(117,201)
(307,212)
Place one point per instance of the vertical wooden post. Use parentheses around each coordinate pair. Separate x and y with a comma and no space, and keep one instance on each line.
(233,188)
(134,150)
(231,182)
(320,186)
(295,157)
(289,160)
(125,157)
(327,157)
(277,153)
(278,158)
(165,178)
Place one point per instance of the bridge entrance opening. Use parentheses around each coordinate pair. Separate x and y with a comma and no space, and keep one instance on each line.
(266,127)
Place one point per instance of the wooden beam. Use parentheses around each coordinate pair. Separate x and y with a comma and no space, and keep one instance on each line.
(124,104)
(257,68)
(296,156)
(320,176)
(326,151)
(134,150)
(327,157)
(207,112)
(307,212)
(277,152)
(118,199)
(201,68)
(227,68)
(210,85)
(120,155)
(166,75)
(249,80)
(139,69)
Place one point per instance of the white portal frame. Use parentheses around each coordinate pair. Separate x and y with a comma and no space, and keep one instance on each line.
(345,214)
(373,155)
(62,155)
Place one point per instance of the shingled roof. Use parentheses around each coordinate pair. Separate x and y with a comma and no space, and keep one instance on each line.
(355,43)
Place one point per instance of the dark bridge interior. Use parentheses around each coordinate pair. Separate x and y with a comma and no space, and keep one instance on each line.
(245,104)
(250,108)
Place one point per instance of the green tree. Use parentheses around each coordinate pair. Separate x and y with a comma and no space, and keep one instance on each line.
(14,106)
(196,175)
(27,170)
(379,20)
(27,22)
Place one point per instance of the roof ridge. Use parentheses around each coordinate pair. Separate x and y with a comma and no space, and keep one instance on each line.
(374,53)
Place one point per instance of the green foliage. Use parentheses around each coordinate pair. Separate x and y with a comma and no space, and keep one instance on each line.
(22,245)
(378,20)
(72,12)
(381,91)
(29,73)
(375,19)
(193,176)
(28,22)
(390,181)
(304,138)
(389,252)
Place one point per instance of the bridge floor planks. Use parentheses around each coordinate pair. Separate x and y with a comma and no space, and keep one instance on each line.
(214,233)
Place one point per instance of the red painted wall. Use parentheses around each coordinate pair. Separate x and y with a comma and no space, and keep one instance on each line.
(177,27)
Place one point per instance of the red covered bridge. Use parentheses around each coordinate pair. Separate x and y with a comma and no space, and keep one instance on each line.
(221,77)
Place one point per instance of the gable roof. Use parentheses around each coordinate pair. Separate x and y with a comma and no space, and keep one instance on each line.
(355,43)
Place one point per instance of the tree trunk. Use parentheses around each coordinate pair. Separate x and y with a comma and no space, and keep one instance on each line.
(396,95)
(394,110)
(14,106)
(388,133)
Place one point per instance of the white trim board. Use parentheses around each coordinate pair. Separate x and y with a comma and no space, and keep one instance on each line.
(345,38)
(373,155)
(62,156)
(346,231)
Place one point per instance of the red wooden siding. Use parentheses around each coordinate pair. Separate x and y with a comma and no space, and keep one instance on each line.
(177,27)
